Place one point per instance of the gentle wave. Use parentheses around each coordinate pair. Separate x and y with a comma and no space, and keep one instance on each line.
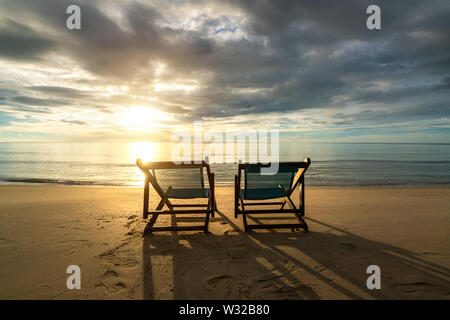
(18,162)
(229,183)
(58,181)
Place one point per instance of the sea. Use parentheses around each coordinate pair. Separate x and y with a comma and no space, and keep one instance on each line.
(332,164)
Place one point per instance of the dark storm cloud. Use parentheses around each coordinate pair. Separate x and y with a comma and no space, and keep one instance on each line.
(411,45)
(395,95)
(24,109)
(37,101)
(398,114)
(19,42)
(294,55)
(65,92)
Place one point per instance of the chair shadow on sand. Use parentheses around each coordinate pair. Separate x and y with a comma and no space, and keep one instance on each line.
(283,265)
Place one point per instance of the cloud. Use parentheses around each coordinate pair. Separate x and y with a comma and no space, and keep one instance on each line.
(76,122)
(36,101)
(24,109)
(19,42)
(65,92)
(236,59)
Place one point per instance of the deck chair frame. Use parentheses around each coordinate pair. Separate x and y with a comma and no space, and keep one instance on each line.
(240,206)
(208,209)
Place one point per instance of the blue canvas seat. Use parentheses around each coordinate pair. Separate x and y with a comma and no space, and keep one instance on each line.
(263,193)
(263,187)
(187,193)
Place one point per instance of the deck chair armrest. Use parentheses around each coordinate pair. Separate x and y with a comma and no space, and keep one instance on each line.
(300,174)
(140,165)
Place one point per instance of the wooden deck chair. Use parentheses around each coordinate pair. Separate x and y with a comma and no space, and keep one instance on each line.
(177,181)
(257,187)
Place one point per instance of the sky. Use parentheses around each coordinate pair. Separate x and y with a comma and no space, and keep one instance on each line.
(138,70)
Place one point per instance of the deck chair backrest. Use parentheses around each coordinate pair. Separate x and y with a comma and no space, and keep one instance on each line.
(180,178)
(289,175)
(163,175)
(254,180)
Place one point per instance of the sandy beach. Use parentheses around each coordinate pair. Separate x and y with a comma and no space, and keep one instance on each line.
(44,229)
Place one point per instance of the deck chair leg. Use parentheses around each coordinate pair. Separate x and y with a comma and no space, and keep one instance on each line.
(302,197)
(236,196)
(244,219)
(206,222)
(213,195)
(146,197)
(208,212)
(213,208)
(151,223)
(305,225)
(298,214)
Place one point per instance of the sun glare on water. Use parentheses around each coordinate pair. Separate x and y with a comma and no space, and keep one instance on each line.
(142,121)
(145,151)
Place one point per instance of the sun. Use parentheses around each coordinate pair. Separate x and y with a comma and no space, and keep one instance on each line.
(141,117)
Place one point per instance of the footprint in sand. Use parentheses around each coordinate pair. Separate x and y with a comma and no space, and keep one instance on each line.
(217,279)
(119,256)
(7,243)
(109,288)
(222,283)
(110,273)
(230,232)
(68,247)
(110,282)
(421,287)
(274,286)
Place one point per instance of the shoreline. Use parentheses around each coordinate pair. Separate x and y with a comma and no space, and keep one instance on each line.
(400,186)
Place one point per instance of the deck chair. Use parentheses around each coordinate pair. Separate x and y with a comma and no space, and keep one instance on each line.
(258,188)
(177,181)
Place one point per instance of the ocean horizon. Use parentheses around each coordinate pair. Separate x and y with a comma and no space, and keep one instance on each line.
(333,164)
